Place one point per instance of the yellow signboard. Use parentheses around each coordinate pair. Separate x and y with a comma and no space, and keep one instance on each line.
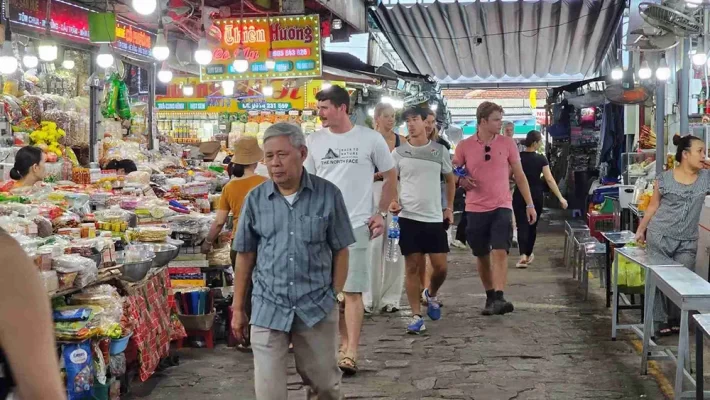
(312,89)
(293,42)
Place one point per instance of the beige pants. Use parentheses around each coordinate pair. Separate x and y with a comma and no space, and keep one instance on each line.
(315,352)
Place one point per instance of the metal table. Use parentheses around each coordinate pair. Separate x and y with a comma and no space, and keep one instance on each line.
(640,257)
(702,329)
(689,292)
(614,240)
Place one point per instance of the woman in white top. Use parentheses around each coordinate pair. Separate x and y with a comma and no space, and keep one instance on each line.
(386,278)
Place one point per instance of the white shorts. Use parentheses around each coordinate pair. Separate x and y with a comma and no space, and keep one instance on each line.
(358,271)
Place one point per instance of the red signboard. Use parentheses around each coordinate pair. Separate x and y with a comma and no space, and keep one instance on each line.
(72,22)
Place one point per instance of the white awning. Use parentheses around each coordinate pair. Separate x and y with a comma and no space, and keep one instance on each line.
(520,41)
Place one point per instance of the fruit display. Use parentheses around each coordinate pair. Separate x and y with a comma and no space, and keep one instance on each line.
(647,138)
(47,138)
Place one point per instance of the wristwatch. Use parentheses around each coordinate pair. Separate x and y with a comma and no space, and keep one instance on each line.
(383,214)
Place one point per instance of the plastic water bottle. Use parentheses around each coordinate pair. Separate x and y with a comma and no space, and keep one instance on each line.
(393,240)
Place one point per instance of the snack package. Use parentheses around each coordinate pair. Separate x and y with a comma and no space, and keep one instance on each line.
(78,363)
(111,99)
(124,105)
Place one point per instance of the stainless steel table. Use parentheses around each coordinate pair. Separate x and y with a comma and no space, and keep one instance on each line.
(614,240)
(689,292)
(640,257)
(702,329)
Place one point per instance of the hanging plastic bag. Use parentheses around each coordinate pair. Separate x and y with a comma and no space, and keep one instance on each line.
(111,100)
(124,105)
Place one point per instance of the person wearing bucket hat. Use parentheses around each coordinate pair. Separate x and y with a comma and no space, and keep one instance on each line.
(247,155)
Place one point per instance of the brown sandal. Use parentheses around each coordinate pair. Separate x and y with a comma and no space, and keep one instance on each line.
(348,366)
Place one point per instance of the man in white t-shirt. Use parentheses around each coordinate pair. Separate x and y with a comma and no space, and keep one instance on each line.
(420,164)
(347,155)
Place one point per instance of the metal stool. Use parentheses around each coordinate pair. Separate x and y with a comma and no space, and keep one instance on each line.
(593,258)
(577,248)
(572,228)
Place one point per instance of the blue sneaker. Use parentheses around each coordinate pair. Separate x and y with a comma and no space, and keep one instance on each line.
(433,307)
(416,325)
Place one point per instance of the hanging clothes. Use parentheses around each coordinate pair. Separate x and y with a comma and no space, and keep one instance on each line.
(613,139)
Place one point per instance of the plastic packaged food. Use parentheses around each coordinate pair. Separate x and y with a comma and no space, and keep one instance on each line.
(86,269)
(50,281)
(78,363)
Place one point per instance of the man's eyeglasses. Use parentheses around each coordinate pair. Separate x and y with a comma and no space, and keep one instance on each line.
(488,150)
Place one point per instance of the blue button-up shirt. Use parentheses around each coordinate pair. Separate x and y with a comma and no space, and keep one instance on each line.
(294,245)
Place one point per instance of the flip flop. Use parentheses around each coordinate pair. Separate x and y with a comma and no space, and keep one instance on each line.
(348,366)
(664,330)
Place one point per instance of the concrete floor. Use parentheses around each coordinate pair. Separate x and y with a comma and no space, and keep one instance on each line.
(554,346)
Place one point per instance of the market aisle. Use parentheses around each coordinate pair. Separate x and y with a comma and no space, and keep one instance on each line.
(554,346)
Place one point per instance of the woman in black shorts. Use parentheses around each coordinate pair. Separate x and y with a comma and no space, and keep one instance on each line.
(534,165)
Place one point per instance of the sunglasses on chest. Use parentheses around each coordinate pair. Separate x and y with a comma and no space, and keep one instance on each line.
(487,149)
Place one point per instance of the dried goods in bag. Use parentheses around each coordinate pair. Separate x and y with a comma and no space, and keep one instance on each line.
(78,363)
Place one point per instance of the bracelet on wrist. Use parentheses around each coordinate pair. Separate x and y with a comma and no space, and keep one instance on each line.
(531,206)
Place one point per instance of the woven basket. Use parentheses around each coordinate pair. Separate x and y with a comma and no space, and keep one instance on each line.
(197,322)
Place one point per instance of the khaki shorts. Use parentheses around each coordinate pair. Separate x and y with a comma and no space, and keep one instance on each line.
(358,271)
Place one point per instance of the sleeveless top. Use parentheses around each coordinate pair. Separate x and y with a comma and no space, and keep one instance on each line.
(678,215)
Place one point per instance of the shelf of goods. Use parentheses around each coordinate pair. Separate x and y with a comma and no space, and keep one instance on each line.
(187,127)
(102,250)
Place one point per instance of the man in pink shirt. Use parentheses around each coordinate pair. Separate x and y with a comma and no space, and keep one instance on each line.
(488,158)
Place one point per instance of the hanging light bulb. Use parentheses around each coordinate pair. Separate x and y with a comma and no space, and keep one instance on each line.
(161,51)
(188,90)
(30,60)
(267,90)
(68,64)
(228,87)
(165,75)
(104,59)
(47,50)
(663,72)
(645,71)
(145,7)
(325,85)
(240,64)
(617,73)
(203,54)
(699,56)
(8,62)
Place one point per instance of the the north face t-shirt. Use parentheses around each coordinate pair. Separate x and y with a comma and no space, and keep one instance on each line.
(420,168)
(349,160)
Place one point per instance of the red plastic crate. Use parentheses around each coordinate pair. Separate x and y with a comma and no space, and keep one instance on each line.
(599,223)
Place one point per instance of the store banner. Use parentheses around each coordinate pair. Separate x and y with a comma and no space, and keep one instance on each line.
(72,22)
(245,98)
(312,89)
(293,42)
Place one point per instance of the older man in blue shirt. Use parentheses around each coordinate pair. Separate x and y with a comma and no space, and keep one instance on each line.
(292,243)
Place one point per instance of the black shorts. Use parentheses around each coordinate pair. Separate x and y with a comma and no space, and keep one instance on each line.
(492,230)
(422,237)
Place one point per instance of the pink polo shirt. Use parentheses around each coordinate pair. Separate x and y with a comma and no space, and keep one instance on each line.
(492,190)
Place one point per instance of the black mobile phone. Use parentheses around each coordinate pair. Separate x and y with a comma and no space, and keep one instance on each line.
(446,224)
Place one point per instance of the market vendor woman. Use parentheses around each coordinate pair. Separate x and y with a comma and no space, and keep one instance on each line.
(670,224)
(29,166)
